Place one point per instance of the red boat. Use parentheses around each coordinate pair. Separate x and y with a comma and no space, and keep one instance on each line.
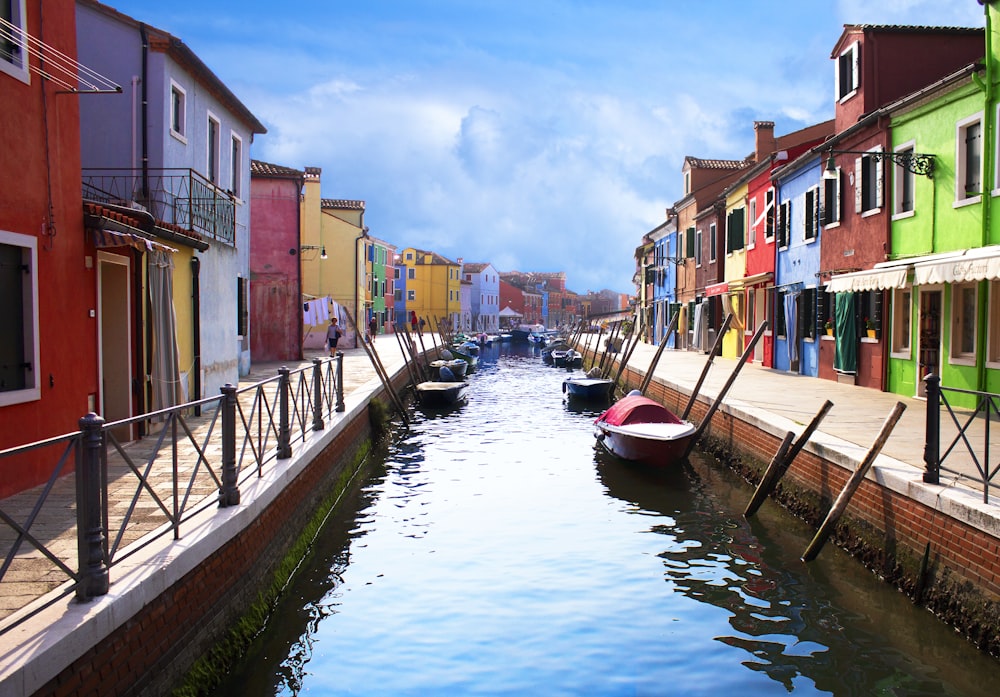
(637,428)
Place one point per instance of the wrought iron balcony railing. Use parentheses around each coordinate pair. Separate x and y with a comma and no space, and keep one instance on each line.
(176,196)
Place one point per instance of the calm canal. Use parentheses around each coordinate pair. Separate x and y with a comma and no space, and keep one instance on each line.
(498,552)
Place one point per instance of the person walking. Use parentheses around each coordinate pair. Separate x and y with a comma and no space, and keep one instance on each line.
(413,320)
(333,334)
(372,328)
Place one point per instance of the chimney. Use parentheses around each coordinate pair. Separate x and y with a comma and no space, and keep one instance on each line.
(764,142)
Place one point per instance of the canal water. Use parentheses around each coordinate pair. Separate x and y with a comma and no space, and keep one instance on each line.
(496,551)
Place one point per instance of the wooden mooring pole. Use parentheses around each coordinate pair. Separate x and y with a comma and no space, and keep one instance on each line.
(380,370)
(659,352)
(840,505)
(783,460)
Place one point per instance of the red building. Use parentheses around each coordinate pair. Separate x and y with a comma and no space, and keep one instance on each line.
(48,326)
(275,268)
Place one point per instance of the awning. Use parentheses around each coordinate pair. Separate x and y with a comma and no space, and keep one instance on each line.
(716,289)
(978,264)
(871,279)
(103,237)
(747,281)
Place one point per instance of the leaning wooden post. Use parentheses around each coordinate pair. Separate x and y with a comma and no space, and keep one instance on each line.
(761,492)
(852,485)
(659,352)
(381,372)
(781,462)
(703,426)
(716,350)
(626,357)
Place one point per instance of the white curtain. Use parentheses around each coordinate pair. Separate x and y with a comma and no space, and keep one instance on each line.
(791,326)
(165,373)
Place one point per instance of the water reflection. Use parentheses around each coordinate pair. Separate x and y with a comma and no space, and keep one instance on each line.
(498,551)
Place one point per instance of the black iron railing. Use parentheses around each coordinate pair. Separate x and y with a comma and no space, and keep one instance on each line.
(120,498)
(176,196)
(969,441)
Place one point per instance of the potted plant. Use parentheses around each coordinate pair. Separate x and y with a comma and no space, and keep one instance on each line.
(828,325)
(870,327)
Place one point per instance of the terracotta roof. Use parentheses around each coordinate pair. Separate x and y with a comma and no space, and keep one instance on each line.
(266,169)
(342,204)
(475,268)
(912,29)
(143,221)
(701,163)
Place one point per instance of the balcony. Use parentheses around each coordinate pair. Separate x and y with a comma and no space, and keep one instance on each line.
(176,196)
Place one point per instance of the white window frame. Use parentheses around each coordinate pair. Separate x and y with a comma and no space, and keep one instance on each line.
(411,295)
(752,227)
(713,243)
(993,325)
(850,56)
(771,194)
(900,176)
(697,247)
(959,322)
(29,255)
(996,157)
(18,67)
(961,199)
(411,273)
(813,206)
(178,94)
(902,323)
(213,149)
(236,165)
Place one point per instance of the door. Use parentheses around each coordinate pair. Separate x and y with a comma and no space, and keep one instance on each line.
(929,337)
(115,342)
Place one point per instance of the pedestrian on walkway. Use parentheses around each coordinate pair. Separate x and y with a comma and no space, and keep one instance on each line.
(333,334)
(372,329)
(413,321)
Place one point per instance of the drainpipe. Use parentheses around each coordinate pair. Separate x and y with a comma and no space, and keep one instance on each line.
(359,320)
(196,328)
(145,113)
(989,125)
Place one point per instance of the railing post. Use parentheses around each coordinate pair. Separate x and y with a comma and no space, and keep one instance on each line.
(229,494)
(317,394)
(340,381)
(932,431)
(90,535)
(284,425)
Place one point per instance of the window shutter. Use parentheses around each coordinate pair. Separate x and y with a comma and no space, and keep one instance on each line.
(838,209)
(879,169)
(858,188)
(855,65)
(739,220)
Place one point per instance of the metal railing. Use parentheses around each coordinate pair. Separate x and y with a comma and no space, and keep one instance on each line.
(68,534)
(178,196)
(971,437)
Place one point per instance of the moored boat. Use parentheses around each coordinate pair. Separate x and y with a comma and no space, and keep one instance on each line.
(456,366)
(589,388)
(442,394)
(638,429)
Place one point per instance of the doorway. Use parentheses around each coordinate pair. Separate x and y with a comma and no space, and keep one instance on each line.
(929,337)
(115,340)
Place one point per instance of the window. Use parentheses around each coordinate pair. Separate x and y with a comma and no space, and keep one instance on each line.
(783,223)
(769,222)
(963,312)
(779,313)
(697,248)
(752,234)
(236,168)
(808,313)
(969,159)
(19,352)
(902,183)
(689,243)
(848,73)
(212,160)
(397,295)
(13,43)
(868,184)
(902,302)
(411,295)
(687,183)
(409,256)
(713,244)
(870,312)
(395,273)
(178,112)
(830,200)
(242,306)
(824,310)
(411,273)
(735,230)
(811,229)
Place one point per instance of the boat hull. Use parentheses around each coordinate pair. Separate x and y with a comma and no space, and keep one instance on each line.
(659,445)
(442,394)
(587,388)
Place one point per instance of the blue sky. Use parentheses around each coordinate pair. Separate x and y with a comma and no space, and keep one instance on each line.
(538,136)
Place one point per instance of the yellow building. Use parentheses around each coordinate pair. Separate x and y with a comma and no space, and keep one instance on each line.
(735,268)
(433,286)
(332,232)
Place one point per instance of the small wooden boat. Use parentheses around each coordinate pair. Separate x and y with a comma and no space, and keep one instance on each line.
(638,429)
(467,353)
(442,394)
(588,388)
(567,359)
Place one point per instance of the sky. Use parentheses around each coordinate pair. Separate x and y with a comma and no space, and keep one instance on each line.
(543,135)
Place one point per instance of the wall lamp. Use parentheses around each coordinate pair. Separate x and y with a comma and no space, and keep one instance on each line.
(908,160)
(322,250)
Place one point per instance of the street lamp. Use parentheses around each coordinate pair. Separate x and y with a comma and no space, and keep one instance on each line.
(917,163)
(307,247)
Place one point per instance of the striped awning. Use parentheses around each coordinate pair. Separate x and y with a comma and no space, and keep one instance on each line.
(978,264)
